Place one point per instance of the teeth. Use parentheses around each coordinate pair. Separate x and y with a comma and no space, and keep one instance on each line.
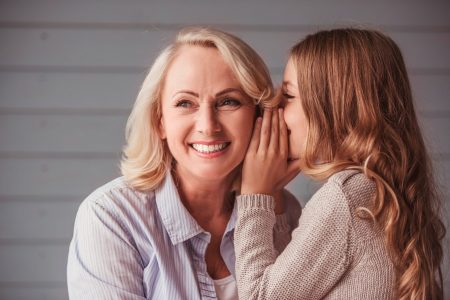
(209,148)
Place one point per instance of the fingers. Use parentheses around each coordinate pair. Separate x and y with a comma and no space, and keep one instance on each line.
(254,143)
(265,130)
(283,139)
(274,134)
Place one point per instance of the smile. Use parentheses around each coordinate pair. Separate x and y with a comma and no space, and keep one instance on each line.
(213,148)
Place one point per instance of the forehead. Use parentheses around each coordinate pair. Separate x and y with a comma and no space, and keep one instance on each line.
(196,65)
(290,74)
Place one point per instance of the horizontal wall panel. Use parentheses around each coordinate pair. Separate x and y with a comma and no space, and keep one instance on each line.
(56,90)
(88,48)
(431,92)
(105,133)
(137,48)
(442,177)
(75,177)
(54,177)
(21,292)
(267,13)
(40,221)
(62,133)
(37,263)
(436,132)
(35,220)
(117,91)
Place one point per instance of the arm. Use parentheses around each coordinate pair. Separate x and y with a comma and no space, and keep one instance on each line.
(103,262)
(318,254)
(286,220)
(311,264)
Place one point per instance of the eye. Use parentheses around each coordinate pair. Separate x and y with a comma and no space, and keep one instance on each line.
(184,104)
(228,104)
(288,97)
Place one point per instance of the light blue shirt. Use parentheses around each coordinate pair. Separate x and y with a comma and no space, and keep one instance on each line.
(129,244)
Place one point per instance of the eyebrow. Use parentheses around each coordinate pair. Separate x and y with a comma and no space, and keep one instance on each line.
(229,90)
(225,91)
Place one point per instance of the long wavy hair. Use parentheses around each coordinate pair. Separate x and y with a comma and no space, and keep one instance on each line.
(358,104)
(146,158)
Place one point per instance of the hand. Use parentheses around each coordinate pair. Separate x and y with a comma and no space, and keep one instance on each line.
(266,168)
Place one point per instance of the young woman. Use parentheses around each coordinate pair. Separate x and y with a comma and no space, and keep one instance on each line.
(373,230)
(165,229)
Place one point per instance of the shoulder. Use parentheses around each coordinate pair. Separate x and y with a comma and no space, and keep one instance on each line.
(343,192)
(118,194)
(355,186)
(118,203)
(342,197)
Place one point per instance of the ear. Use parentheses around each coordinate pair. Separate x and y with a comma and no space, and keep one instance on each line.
(161,130)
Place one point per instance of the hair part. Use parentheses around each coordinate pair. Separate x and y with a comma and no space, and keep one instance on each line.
(146,157)
(357,100)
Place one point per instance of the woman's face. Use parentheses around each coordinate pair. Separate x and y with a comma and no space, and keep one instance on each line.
(207,119)
(294,115)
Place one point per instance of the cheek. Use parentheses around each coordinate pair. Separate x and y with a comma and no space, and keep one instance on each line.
(295,124)
(243,126)
(173,129)
(289,118)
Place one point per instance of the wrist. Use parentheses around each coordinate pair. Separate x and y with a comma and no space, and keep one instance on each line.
(279,202)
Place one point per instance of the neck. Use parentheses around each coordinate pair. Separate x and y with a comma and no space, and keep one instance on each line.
(206,200)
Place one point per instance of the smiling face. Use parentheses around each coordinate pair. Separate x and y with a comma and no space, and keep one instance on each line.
(294,114)
(207,119)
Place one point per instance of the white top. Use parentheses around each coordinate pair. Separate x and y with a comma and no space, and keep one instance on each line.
(226,288)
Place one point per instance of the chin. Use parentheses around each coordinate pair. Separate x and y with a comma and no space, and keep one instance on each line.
(209,174)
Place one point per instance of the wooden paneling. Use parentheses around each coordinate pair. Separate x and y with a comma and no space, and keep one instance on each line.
(431,92)
(78,91)
(97,91)
(410,14)
(104,134)
(45,218)
(62,133)
(50,221)
(38,264)
(135,49)
(69,74)
(55,177)
(20,292)
(434,129)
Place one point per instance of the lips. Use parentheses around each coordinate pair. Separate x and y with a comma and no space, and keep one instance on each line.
(208,148)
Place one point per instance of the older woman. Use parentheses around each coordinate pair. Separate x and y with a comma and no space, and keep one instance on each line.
(165,229)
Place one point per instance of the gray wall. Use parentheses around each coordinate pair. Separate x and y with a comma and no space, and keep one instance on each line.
(69,72)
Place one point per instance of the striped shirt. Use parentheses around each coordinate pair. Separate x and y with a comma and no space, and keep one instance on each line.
(129,244)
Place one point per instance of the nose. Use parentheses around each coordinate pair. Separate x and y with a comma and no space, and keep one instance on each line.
(207,120)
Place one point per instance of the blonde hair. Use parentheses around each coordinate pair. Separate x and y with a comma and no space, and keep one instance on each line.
(146,158)
(356,95)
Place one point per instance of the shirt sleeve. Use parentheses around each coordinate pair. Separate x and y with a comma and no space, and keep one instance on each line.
(103,262)
(312,263)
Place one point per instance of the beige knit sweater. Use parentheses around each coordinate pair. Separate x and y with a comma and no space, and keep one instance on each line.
(333,253)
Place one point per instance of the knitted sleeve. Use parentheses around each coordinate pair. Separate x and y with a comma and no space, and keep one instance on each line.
(313,261)
(286,222)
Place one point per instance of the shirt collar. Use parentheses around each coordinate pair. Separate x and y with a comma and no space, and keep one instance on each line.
(179,223)
(232,221)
